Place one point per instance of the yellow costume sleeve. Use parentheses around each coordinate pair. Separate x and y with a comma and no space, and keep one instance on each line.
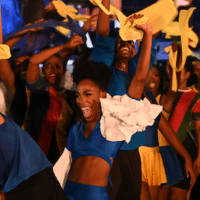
(4,51)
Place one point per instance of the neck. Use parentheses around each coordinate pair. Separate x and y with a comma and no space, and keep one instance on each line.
(89,127)
(122,64)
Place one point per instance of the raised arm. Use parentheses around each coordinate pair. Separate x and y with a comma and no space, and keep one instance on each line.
(103,24)
(138,82)
(6,73)
(33,71)
(14,39)
(168,98)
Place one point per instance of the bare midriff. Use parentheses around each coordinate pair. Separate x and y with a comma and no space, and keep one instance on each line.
(90,170)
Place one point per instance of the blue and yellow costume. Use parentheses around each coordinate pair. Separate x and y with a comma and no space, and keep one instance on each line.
(153,171)
(94,145)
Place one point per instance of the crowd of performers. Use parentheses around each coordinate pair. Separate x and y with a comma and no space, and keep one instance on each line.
(120,127)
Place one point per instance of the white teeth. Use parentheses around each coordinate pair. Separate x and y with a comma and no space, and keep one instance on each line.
(86,111)
(124,48)
(84,108)
(152,85)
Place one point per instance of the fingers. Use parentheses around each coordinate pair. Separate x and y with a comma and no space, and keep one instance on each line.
(192,175)
(75,41)
(134,17)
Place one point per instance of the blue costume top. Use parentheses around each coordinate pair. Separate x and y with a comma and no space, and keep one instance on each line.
(148,137)
(104,51)
(20,156)
(94,145)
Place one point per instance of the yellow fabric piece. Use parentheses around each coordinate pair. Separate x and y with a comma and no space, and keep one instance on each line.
(153,13)
(153,171)
(184,25)
(181,28)
(63,30)
(64,10)
(83,18)
(4,51)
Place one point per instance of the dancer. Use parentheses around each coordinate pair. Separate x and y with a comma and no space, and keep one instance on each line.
(172,166)
(121,57)
(92,154)
(186,122)
(49,115)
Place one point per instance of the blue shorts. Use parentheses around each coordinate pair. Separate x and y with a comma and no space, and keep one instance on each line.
(79,191)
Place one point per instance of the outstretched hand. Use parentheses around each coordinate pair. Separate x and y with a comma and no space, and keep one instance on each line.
(190,172)
(90,23)
(74,42)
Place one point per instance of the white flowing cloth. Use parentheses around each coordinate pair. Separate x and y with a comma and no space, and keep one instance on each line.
(123,116)
(62,167)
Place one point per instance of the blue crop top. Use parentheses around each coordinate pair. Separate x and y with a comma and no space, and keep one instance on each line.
(94,145)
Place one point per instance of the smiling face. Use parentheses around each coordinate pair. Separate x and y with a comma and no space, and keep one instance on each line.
(53,70)
(153,81)
(88,94)
(124,49)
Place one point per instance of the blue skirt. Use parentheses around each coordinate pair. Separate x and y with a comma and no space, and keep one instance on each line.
(79,191)
(172,165)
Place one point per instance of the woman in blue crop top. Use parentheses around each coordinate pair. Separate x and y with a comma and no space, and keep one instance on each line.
(93,155)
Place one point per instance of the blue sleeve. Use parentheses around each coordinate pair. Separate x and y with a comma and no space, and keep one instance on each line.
(133,62)
(131,97)
(39,84)
(104,50)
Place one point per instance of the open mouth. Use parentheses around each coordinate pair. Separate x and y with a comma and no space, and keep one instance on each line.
(87,111)
(124,49)
(152,85)
(53,76)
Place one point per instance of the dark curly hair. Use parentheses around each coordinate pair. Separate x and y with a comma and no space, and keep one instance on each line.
(189,67)
(98,72)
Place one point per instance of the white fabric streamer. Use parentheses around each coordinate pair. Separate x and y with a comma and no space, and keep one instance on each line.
(123,116)
(62,167)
